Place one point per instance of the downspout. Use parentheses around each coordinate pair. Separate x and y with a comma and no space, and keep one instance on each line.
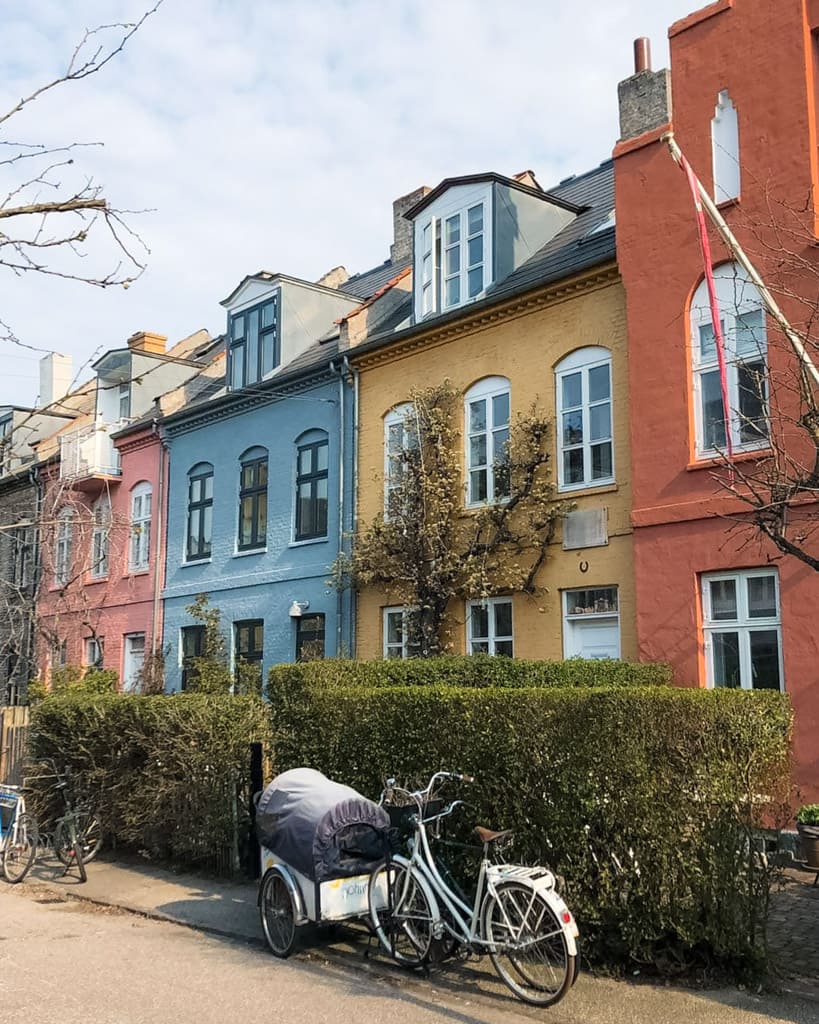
(159,564)
(354,513)
(341,446)
(34,476)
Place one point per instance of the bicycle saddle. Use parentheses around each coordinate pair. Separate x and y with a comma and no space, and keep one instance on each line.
(486,835)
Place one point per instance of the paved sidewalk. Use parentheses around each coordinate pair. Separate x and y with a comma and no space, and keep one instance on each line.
(793,930)
(229,909)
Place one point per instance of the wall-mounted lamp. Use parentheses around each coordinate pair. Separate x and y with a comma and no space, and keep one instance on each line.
(298,608)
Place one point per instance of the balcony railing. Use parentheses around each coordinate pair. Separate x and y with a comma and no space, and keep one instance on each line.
(89,451)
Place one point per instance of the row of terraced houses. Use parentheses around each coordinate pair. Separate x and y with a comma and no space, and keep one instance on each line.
(240,466)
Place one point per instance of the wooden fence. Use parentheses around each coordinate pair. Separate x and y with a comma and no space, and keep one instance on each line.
(13,740)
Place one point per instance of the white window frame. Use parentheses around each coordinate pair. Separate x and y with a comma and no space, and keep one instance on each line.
(736,297)
(100,538)
(124,399)
(395,423)
(743,625)
(493,638)
(583,361)
(94,652)
(139,548)
(404,648)
(63,547)
(607,616)
(128,684)
(725,149)
(430,232)
(485,390)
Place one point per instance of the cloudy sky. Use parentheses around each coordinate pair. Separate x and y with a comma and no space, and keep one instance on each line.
(275,136)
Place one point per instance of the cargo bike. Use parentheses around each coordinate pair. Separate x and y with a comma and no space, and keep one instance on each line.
(328,855)
(320,841)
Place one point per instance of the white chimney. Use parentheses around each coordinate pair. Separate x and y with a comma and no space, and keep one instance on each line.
(55,377)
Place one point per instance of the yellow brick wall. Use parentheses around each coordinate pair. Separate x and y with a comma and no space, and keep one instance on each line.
(524,348)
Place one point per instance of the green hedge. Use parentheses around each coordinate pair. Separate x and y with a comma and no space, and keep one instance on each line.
(163,771)
(659,778)
(461,670)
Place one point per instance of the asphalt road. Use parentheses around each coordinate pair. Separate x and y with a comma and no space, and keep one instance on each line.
(65,960)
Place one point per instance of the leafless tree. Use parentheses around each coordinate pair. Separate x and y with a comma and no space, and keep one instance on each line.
(50,211)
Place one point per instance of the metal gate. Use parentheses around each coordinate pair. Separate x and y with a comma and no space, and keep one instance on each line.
(13,744)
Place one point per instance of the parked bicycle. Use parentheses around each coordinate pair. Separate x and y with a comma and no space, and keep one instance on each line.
(19,835)
(516,915)
(78,835)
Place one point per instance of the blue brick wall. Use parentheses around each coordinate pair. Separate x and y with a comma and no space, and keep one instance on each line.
(259,584)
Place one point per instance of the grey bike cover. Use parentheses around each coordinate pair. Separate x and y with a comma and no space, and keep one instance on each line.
(319,827)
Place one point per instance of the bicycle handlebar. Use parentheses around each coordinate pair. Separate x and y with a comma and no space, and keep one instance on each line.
(419,796)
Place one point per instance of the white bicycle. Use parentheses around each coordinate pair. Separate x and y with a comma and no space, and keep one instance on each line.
(517,916)
(19,835)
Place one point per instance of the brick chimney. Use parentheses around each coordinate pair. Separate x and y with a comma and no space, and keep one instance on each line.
(145,341)
(334,278)
(401,247)
(55,377)
(645,98)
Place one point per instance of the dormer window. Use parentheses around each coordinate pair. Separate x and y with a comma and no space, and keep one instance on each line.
(452,250)
(453,260)
(125,400)
(254,343)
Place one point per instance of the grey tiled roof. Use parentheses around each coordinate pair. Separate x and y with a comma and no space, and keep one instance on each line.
(367,283)
(574,248)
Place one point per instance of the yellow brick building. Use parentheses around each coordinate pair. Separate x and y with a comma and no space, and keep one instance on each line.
(554,330)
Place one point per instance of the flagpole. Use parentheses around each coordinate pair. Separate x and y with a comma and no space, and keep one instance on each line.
(739,253)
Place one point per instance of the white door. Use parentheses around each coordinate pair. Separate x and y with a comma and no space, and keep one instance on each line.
(132,659)
(595,638)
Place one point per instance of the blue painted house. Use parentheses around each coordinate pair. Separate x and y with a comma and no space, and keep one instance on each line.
(260,482)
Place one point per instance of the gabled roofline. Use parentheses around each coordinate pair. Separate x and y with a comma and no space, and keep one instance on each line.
(162,357)
(270,277)
(474,179)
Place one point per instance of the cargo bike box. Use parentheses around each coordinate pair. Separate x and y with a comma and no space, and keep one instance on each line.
(319,843)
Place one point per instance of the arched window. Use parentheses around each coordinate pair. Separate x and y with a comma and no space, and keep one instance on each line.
(746,347)
(63,547)
(100,537)
(139,552)
(252,533)
(200,512)
(312,472)
(584,419)
(487,440)
(400,438)
(725,149)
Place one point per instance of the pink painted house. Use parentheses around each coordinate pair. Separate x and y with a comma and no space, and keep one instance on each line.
(102,505)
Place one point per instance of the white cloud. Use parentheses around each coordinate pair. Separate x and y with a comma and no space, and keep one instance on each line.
(277,135)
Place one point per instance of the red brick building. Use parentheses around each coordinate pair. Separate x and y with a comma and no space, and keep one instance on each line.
(722,603)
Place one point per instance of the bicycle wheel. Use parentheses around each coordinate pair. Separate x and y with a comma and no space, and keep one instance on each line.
(20,849)
(89,836)
(278,914)
(529,950)
(402,912)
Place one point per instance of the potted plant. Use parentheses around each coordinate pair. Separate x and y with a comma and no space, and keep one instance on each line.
(807,825)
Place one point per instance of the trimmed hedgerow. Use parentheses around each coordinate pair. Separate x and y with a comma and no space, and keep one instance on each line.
(165,773)
(646,800)
(462,670)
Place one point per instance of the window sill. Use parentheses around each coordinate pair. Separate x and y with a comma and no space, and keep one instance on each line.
(726,204)
(603,488)
(251,551)
(195,561)
(713,462)
(137,572)
(309,540)
(93,580)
